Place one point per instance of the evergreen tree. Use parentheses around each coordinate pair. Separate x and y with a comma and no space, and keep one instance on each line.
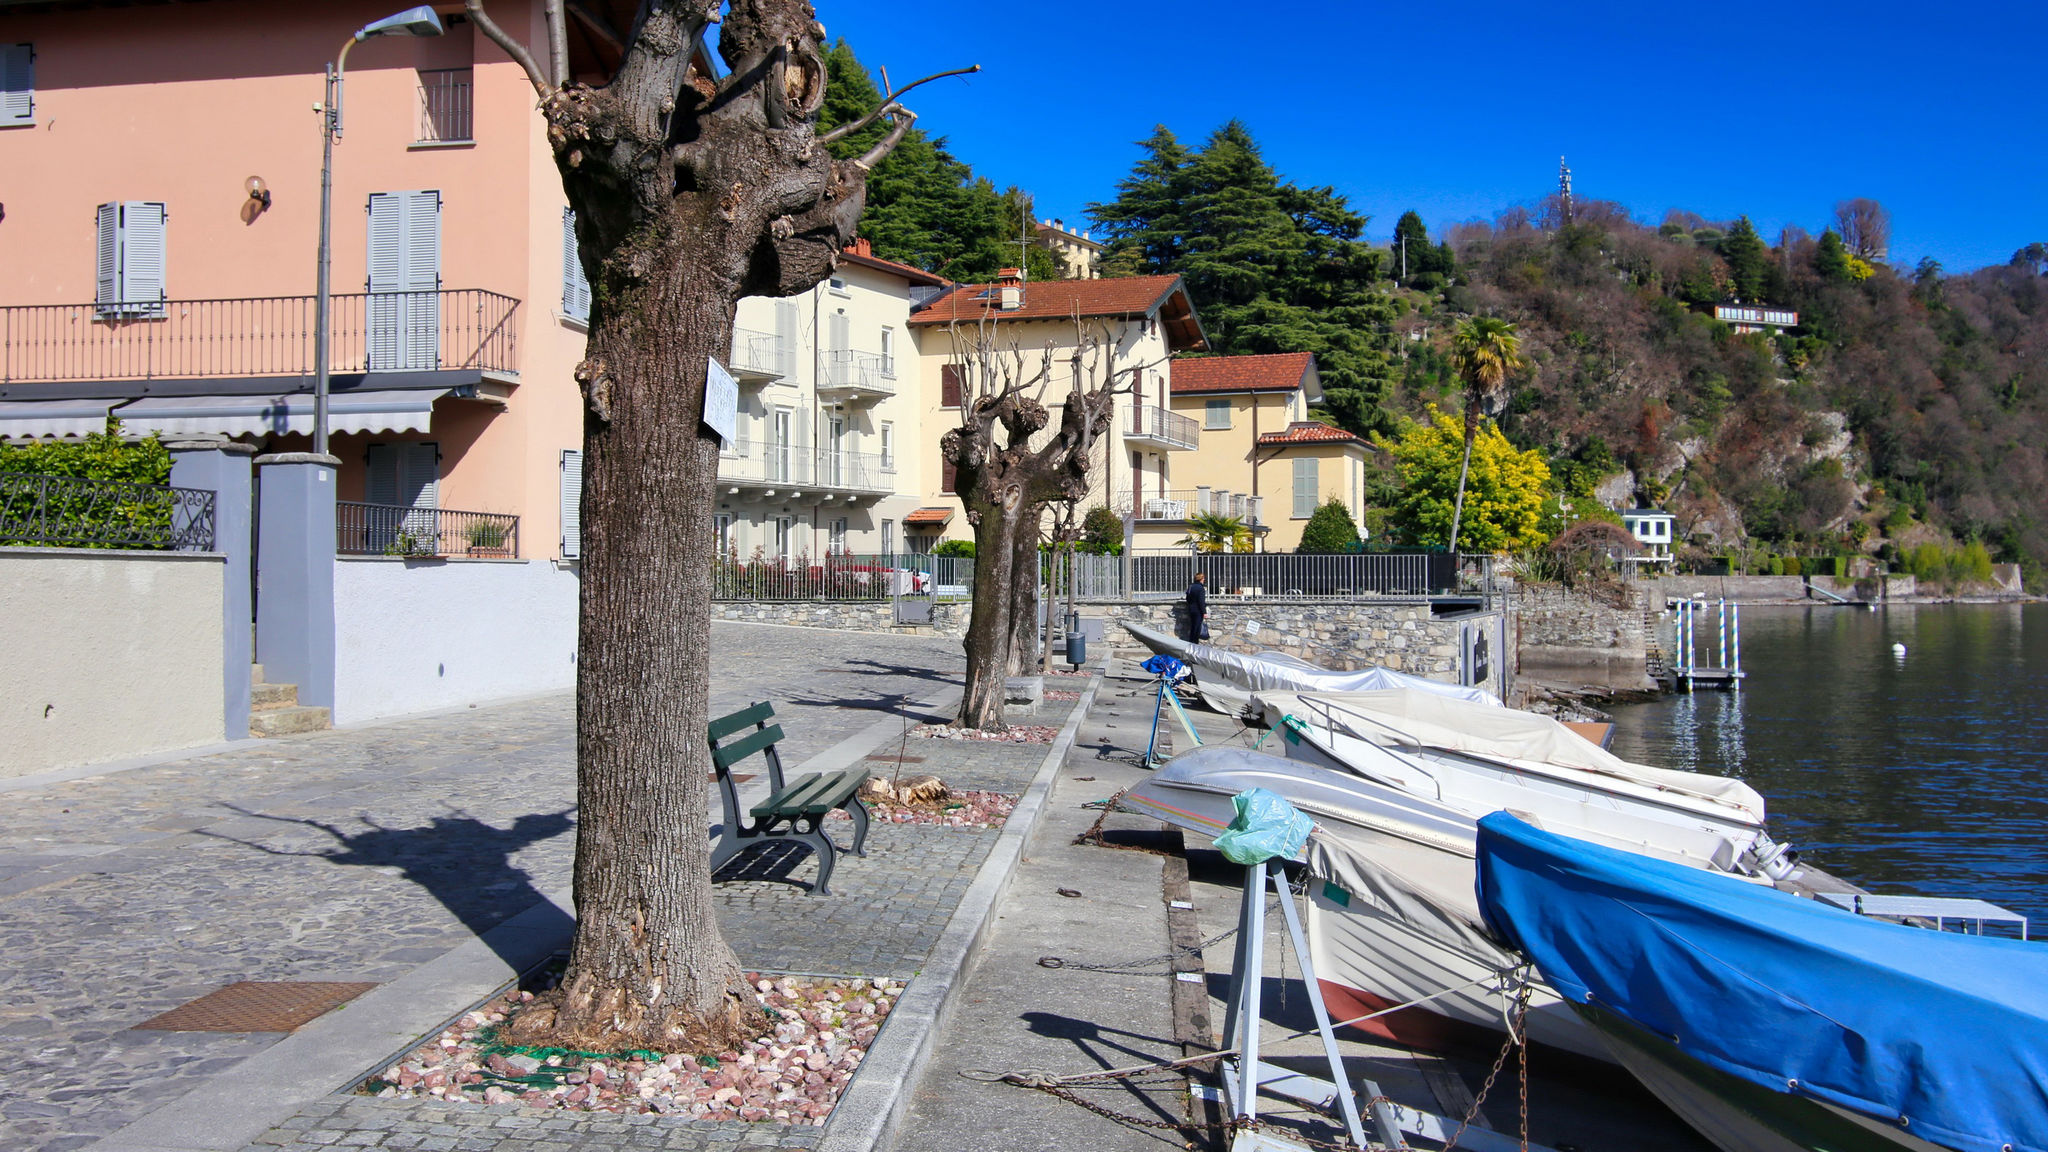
(1329,529)
(1830,258)
(1427,264)
(1272,266)
(1749,265)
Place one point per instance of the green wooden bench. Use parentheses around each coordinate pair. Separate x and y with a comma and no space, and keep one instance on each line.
(793,812)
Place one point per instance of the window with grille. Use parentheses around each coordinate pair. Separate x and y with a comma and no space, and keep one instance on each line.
(446,103)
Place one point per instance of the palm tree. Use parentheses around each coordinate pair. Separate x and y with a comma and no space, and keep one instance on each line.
(1485,350)
(1215,532)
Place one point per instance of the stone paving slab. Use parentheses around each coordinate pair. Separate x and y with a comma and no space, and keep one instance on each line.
(346,1123)
(359,854)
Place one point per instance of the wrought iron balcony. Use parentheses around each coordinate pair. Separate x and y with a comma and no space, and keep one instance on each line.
(851,375)
(261,336)
(1150,425)
(397,530)
(761,355)
(784,468)
(1177,504)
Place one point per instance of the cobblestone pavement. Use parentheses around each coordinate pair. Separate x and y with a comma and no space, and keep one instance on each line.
(364,853)
(343,1124)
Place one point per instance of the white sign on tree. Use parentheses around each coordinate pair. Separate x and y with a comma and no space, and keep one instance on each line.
(721,402)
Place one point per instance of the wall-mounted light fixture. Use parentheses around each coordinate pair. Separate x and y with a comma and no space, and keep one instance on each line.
(258,190)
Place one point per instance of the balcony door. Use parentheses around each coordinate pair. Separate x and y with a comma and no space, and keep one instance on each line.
(778,444)
(835,461)
(404,310)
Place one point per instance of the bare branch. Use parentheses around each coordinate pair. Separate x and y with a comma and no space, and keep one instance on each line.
(512,47)
(889,104)
(899,125)
(597,26)
(558,43)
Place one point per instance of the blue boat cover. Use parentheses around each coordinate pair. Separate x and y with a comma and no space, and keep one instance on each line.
(1947,1030)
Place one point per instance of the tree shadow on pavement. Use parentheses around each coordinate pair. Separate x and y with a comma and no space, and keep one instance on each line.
(1095,1042)
(461,861)
(877,668)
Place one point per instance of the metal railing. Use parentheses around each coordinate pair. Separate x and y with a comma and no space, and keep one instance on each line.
(447,100)
(395,530)
(869,576)
(1180,503)
(755,463)
(60,511)
(1298,574)
(261,336)
(847,370)
(761,353)
(1150,422)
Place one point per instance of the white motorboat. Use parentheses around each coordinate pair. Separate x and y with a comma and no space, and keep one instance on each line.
(1228,680)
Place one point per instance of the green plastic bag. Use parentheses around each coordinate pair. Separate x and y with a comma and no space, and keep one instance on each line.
(1266,826)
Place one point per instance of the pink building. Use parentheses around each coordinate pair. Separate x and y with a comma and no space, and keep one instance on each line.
(159,225)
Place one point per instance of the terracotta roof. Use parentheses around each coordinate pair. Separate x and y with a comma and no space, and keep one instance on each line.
(1307,432)
(859,253)
(929,516)
(1127,296)
(1277,372)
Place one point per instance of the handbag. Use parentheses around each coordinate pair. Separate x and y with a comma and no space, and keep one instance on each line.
(1205,631)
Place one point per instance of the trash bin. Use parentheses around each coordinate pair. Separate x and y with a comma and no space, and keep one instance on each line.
(1077,648)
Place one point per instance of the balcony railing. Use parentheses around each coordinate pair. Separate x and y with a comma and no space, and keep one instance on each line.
(396,530)
(262,336)
(1158,426)
(761,353)
(446,105)
(1181,503)
(786,465)
(858,374)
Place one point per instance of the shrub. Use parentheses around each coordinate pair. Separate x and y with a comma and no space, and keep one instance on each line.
(1793,567)
(1329,530)
(963,548)
(1102,532)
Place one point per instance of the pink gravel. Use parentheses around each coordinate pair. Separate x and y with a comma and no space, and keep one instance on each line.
(1061,694)
(820,1031)
(1014,734)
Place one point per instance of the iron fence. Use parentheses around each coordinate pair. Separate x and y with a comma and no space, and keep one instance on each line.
(872,576)
(446,105)
(61,511)
(396,530)
(261,336)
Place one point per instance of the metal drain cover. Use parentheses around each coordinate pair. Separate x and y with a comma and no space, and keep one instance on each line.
(258,1006)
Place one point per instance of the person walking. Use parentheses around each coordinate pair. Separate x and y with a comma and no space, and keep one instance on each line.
(1198,607)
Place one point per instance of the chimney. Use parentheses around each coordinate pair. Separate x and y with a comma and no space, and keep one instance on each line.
(1009,289)
(861,247)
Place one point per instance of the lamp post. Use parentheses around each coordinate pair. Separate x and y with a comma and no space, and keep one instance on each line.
(420,21)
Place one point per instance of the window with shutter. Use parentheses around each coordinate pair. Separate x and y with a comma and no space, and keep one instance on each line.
(572,504)
(951,471)
(949,389)
(405,276)
(575,285)
(1304,487)
(1216,414)
(129,278)
(17,85)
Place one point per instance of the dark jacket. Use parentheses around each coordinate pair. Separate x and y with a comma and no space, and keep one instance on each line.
(1198,599)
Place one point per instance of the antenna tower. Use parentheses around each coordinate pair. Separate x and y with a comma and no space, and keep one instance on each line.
(1564,188)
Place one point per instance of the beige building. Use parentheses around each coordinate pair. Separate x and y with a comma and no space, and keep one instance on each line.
(1079,254)
(1146,319)
(1316,463)
(830,400)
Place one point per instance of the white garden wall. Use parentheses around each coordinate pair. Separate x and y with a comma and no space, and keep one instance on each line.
(412,635)
(109,655)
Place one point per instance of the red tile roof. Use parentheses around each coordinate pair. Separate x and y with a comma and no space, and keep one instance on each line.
(929,516)
(1125,296)
(1277,372)
(1306,432)
(859,253)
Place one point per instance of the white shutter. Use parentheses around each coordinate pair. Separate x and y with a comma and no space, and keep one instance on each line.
(386,266)
(405,272)
(107,290)
(575,285)
(572,504)
(1304,487)
(839,332)
(142,258)
(17,84)
(788,327)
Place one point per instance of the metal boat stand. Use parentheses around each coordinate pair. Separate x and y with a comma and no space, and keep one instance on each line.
(1168,669)
(1244,1079)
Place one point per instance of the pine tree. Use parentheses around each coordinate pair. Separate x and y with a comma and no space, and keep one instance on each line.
(1749,265)
(1830,258)
(1145,228)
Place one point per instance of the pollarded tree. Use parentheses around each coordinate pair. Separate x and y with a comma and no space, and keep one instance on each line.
(1010,463)
(690,192)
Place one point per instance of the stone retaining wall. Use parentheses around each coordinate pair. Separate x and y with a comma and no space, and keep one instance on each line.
(1573,635)
(1779,589)
(948,619)
(1334,634)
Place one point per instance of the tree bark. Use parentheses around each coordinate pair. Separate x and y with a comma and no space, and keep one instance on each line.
(1464,470)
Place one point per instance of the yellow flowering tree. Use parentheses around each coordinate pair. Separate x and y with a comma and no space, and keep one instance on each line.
(1504,492)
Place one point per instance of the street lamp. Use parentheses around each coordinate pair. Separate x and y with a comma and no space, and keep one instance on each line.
(420,21)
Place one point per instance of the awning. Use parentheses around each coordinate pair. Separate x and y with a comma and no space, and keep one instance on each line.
(397,411)
(31,418)
(929,517)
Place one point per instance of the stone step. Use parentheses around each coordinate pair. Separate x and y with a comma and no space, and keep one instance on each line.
(255,673)
(263,697)
(287,721)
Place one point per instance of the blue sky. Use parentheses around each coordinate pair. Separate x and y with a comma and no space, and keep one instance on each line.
(1458,111)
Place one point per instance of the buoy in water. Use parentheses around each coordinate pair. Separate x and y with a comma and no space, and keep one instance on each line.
(1899,650)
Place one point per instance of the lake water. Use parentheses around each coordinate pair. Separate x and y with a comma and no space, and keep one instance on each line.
(1926,774)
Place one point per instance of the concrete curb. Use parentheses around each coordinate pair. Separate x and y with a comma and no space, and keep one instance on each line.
(324,1057)
(872,1108)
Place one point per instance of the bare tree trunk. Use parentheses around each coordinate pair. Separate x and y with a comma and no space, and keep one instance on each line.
(1024,599)
(989,632)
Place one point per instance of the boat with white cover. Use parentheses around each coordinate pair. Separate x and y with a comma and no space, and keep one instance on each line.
(1228,680)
